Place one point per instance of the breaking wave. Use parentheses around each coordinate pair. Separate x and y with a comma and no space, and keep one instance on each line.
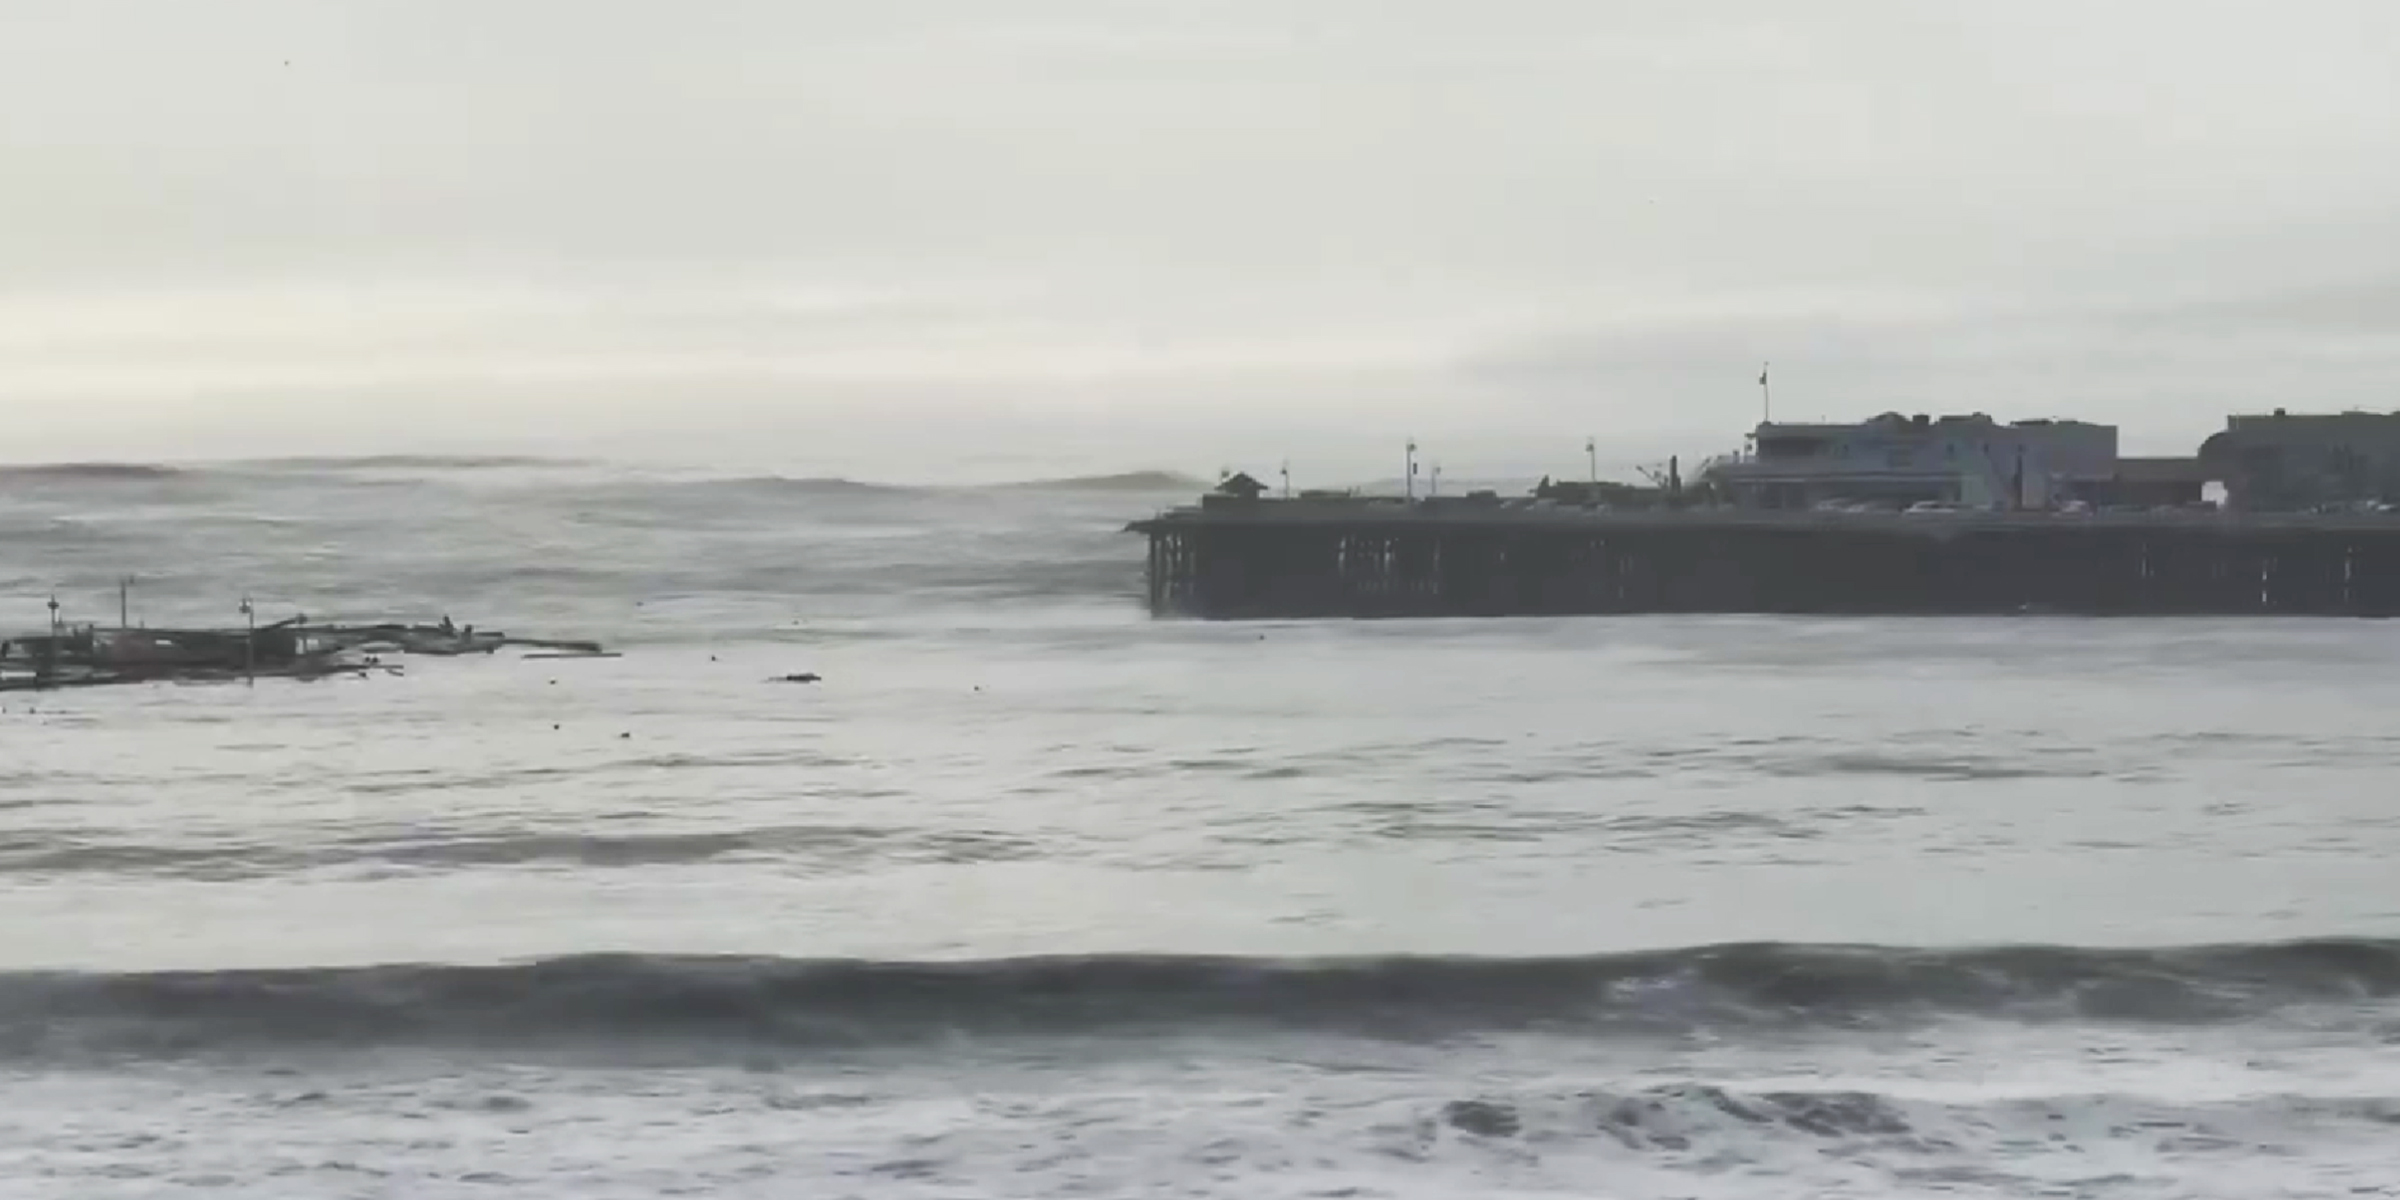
(600,1001)
(1701,1120)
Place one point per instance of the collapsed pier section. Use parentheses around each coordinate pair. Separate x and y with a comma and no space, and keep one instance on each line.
(1295,559)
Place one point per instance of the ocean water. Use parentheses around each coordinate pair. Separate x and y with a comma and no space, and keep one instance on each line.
(1034,896)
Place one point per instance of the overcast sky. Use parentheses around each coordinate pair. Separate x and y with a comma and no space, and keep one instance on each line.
(884,238)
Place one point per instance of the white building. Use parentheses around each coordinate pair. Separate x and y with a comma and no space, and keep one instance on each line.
(1894,459)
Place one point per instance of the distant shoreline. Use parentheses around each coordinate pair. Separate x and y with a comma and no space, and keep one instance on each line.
(102,471)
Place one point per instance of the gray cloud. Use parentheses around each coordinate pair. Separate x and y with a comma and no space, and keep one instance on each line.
(1244,223)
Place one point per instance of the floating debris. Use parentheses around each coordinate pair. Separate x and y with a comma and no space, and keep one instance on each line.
(92,656)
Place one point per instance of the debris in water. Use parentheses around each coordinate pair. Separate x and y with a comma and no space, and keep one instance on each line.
(93,656)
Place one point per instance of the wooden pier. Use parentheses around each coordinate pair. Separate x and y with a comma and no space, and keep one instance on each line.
(1234,558)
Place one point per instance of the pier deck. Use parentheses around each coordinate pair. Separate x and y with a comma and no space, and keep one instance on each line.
(1232,559)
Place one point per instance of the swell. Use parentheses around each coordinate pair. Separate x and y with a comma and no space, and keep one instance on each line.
(1124,481)
(605,1001)
(105,472)
(409,462)
(1129,482)
(120,471)
(798,848)
(268,469)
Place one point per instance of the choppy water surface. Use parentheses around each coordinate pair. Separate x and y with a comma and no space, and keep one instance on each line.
(1033,896)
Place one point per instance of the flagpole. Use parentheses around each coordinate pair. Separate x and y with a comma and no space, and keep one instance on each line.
(1766,396)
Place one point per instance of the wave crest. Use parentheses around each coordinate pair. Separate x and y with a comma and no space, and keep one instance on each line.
(785,485)
(619,999)
(1124,481)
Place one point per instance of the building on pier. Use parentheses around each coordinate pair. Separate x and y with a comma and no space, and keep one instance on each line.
(2295,462)
(1895,461)
(1237,487)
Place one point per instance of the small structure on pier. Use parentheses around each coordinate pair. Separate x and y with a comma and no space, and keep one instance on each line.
(1601,493)
(1239,486)
(2153,483)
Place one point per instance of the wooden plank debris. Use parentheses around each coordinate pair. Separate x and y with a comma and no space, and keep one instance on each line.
(293,648)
